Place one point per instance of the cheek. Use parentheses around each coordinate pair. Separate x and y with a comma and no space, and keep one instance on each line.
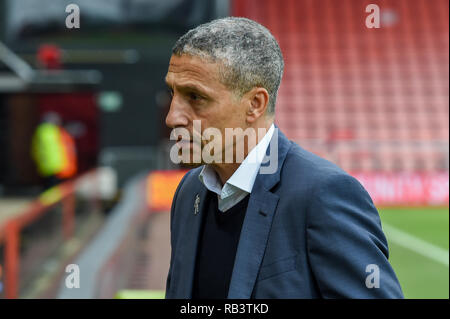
(232,117)
(222,115)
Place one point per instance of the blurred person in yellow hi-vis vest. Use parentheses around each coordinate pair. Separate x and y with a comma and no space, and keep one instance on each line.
(53,150)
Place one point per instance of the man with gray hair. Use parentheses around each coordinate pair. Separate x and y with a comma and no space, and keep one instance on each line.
(303,230)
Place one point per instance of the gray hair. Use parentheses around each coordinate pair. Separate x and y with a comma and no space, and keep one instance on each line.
(249,54)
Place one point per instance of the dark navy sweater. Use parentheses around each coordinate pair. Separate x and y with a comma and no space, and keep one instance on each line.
(216,251)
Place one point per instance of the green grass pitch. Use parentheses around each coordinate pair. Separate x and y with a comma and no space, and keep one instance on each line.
(420,276)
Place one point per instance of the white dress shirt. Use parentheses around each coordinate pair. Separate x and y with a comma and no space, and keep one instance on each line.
(240,184)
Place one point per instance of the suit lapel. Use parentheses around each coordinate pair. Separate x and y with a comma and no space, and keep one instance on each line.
(252,242)
(189,241)
(257,223)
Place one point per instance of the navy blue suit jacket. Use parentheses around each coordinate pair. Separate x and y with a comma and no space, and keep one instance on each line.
(310,231)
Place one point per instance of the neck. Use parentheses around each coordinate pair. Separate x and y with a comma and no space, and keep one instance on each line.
(226,170)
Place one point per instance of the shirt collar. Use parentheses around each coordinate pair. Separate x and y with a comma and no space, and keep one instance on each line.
(244,177)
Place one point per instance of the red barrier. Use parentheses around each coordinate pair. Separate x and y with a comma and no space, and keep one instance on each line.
(406,189)
(10,234)
(11,259)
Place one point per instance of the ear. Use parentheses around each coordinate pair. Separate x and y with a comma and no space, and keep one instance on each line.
(258,101)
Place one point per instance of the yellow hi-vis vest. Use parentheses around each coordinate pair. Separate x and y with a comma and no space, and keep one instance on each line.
(47,149)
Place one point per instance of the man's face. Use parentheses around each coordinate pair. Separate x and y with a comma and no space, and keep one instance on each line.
(198,94)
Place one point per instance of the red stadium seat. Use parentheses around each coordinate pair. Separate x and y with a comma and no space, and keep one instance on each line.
(384,85)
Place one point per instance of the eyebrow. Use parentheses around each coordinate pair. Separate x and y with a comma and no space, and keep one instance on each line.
(189,86)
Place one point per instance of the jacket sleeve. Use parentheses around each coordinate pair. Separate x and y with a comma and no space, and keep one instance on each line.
(347,249)
(172,234)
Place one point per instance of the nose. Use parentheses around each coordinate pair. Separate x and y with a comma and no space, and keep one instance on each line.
(177,116)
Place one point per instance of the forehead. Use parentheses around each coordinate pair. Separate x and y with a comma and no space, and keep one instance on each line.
(188,68)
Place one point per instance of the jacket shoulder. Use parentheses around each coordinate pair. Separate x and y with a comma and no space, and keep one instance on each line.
(305,166)
(190,179)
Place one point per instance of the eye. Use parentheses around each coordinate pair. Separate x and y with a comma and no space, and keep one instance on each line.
(193,96)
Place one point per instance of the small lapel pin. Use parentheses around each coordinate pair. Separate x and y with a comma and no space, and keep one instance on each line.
(196,203)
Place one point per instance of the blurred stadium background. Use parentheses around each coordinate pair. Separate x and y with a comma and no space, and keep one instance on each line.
(375,101)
